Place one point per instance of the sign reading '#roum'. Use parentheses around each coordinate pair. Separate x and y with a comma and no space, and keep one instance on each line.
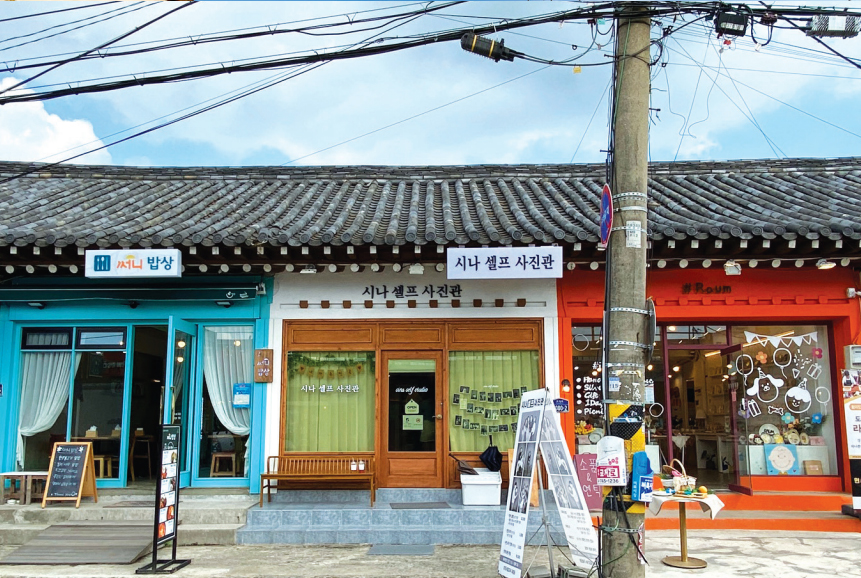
(133,263)
(504,263)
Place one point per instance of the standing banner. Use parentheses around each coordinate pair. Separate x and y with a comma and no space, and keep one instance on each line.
(851,381)
(573,508)
(166,505)
(513,541)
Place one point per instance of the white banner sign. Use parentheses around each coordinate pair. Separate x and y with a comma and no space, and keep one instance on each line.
(522,470)
(576,520)
(504,263)
(133,263)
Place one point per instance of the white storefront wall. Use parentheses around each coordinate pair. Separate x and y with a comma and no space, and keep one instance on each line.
(293,288)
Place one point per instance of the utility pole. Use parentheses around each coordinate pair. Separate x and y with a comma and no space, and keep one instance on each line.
(627,335)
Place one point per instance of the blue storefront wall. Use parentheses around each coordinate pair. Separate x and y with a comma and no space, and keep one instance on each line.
(80,311)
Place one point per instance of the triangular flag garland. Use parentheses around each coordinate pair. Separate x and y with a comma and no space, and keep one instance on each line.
(781,340)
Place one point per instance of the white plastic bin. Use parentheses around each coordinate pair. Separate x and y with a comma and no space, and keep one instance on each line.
(485,489)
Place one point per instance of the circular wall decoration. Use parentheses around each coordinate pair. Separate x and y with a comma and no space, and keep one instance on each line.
(652,410)
(823,395)
(746,366)
(574,342)
(782,357)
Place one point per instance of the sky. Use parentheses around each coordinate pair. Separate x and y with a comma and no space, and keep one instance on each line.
(430,105)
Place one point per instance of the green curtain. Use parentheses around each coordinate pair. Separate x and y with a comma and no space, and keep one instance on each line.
(489,372)
(325,413)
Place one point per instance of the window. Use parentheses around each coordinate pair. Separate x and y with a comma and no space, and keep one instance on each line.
(784,381)
(46,338)
(101,338)
(696,334)
(331,401)
(484,391)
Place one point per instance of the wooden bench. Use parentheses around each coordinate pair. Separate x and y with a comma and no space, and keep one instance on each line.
(316,467)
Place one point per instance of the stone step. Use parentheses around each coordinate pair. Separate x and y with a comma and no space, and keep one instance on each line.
(386,535)
(208,534)
(18,534)
(477,517)
(210,513)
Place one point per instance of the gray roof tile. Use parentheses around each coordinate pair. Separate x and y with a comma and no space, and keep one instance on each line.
(382,205)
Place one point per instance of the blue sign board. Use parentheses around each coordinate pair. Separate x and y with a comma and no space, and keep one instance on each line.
(561,405)
(606,215)
(241,395)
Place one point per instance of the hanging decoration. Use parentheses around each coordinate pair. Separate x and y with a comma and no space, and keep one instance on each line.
(765,387)
(778,340)
(798,398)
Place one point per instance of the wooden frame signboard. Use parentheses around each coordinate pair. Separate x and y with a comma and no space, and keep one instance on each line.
(72,474)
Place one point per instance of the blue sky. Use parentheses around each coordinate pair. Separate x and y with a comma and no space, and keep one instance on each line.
(519,112)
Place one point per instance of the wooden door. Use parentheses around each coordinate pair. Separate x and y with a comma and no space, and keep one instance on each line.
(412,420)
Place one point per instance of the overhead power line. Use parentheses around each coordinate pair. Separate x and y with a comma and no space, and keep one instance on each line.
(108,43)
(55,11)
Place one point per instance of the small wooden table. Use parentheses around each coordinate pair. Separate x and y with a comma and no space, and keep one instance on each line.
(711,504)
(25,485)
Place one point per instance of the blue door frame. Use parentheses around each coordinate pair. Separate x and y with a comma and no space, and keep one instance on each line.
(83,313)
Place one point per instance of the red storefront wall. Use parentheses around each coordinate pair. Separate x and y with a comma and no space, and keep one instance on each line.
(758,296)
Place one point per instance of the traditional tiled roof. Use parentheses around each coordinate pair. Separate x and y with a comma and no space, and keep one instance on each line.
(101,206)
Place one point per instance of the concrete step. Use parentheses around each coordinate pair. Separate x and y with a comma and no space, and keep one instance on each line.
(189,512)
(385,535)
(17,534)
(208,534)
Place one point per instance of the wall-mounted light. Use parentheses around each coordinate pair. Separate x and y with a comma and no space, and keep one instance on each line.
(825,264)
(676,368)
(224,304)
(180,343)
(732,268)
(180,359)
(36,304)
(237,343)
(566,385)
(650,367)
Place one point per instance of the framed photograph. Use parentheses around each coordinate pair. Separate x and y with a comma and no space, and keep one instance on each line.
(464,389)
(457,420)
(505,411)
(469,408)
(473,394)
(498,397)
(506,394)
(455,399)
(482,396)
(484,430)
(515,393)
(473,426)
(466,424)
(493,429)
(503,428)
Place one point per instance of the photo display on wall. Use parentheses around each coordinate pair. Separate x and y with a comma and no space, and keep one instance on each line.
(486,410)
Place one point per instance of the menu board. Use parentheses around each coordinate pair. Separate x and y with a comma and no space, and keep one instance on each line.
(72,474)
(588,397)
(168,485)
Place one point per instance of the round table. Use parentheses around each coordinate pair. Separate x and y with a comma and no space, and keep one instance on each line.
(711,503)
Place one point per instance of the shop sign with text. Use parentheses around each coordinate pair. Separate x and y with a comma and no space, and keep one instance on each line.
(133,263)
(504,263)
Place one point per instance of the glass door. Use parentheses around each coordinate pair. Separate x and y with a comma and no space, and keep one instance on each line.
(178,387)
(739,367)
(413,414)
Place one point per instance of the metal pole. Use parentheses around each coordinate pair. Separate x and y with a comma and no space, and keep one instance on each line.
(544,516)
(627,333)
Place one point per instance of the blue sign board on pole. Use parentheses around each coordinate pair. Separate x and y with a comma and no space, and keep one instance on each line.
(606,216)
(561,405)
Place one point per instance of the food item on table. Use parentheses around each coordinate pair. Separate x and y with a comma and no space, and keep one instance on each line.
(703,490)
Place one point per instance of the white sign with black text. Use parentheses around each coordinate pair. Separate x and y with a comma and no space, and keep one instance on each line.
(522,470)
(133,263)
(504,263)
(576,520)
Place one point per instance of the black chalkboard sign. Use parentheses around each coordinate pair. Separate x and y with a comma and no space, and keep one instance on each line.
(72,474)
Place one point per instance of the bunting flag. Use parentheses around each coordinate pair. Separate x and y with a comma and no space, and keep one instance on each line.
(780,341)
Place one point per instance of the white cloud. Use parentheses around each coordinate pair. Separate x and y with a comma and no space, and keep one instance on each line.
(30,133)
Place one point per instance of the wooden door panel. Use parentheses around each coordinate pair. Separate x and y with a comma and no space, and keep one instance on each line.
(411,469)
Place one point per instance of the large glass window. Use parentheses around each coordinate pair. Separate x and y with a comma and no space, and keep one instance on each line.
(228,371)
(696,334)
(485,390)
(784,382)
(331,400)
(97,406)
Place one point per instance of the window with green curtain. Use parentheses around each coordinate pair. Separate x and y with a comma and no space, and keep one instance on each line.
(330,402)
(474,378)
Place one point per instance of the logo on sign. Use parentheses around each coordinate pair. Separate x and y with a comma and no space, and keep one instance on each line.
(102,263)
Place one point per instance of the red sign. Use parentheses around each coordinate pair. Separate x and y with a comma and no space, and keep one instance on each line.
(587,473)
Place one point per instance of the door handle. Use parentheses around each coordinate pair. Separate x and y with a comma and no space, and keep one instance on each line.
(438,416)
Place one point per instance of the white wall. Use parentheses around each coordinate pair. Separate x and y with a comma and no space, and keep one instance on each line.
(291,288)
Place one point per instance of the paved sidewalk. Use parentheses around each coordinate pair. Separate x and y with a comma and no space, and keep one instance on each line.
(729,554)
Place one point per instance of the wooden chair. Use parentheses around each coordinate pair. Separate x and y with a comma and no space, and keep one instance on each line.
(218,458)
(138,453)
(104,464)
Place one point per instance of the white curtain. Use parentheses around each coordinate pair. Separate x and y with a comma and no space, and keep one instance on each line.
(227,359)
(44,392)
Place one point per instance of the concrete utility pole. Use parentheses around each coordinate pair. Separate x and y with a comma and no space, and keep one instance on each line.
(626,271)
